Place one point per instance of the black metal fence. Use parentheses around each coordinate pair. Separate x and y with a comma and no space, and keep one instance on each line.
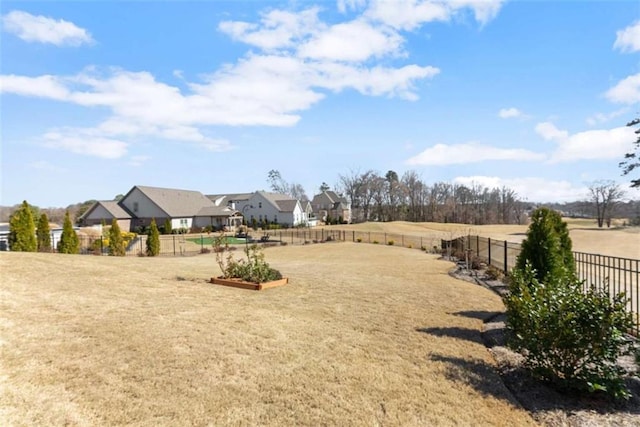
(610,274)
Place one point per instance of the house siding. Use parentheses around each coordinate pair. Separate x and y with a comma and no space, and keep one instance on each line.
(145,208)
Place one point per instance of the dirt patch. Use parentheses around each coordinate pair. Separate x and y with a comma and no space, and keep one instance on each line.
(547,405)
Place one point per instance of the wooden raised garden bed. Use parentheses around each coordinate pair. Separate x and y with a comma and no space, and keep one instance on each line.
(239,283)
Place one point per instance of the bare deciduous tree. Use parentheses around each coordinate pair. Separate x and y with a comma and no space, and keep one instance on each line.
(604,195)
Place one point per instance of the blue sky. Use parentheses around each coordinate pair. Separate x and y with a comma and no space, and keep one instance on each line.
(97,97)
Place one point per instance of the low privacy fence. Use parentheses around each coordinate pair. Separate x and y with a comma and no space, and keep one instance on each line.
(611,274)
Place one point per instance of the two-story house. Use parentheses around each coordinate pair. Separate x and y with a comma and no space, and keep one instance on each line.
(330,205)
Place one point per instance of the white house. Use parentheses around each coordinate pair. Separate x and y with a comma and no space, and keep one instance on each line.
(263,206)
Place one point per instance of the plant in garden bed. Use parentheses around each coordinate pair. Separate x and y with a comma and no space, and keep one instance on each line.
(254,269)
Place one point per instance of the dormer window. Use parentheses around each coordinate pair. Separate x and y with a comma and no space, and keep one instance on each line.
(259,205)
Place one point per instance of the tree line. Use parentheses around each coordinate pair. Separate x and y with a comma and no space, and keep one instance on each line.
(388,197)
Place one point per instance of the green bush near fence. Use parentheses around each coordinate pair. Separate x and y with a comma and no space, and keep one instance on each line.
(568,337)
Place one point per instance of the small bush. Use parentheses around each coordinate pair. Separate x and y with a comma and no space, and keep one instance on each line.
(477,263)
(359,240)
(568,337)
(493,273)
(205,251)
(375,242)
(283,243)
(410,246)
(390,243)
(423,248)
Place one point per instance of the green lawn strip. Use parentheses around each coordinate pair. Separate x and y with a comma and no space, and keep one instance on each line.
(209,240)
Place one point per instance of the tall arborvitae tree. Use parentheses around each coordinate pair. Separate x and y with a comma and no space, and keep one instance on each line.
(43,234)
(22,230)
(166,229)
(116,242)
(69,243)
(153,239)
(547,247)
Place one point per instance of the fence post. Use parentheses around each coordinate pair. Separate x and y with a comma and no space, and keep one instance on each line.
(354,235)
(369,237)
(403,240)
(505,257)
(478,246)
(489,250)
(101,246)
(174,245)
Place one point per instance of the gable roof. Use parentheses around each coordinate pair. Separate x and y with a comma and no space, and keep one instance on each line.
(224,199)
(217,211)
(282,202)
(287,205)
(110,206)
(175,203)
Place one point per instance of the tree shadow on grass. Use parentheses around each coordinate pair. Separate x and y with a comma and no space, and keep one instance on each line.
(472,335)
(478,314)
(478,374)
(519,388)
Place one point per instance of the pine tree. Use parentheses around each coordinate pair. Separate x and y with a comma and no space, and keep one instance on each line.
(153,240)
(43,234)
(69,243)
(547,247)
(167,229)
(116,242)
(22,230)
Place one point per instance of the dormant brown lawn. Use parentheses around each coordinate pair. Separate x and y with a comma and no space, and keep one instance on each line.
(362,335)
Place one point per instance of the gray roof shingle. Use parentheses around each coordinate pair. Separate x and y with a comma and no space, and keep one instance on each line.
(177,203)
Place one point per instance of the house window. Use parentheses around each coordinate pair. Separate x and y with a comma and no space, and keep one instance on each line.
(260,218)
(259,205)
(275,219)
(183,222)
(135,206)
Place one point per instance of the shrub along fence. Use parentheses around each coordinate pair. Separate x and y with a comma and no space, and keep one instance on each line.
(611,274)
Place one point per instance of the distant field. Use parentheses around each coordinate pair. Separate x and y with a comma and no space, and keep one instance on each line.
(363,335)
(585,235)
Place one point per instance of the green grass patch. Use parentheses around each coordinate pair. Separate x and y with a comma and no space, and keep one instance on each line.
(209,240)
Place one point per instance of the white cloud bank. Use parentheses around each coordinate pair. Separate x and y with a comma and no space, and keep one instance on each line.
(533,189)
(41,29)
(627,91)
(588,145)
(628,39)
(472,152)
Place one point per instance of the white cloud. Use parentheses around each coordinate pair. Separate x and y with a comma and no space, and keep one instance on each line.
(41,29)
(594,145)
(628,39)
(600,118)
(411,14)
(533,189)
(352,41)
(507,113)
(549,131)
(277,28)
(300,60)
(43,86)
(84,142)
(471,152)
(588,145)
(627,91)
